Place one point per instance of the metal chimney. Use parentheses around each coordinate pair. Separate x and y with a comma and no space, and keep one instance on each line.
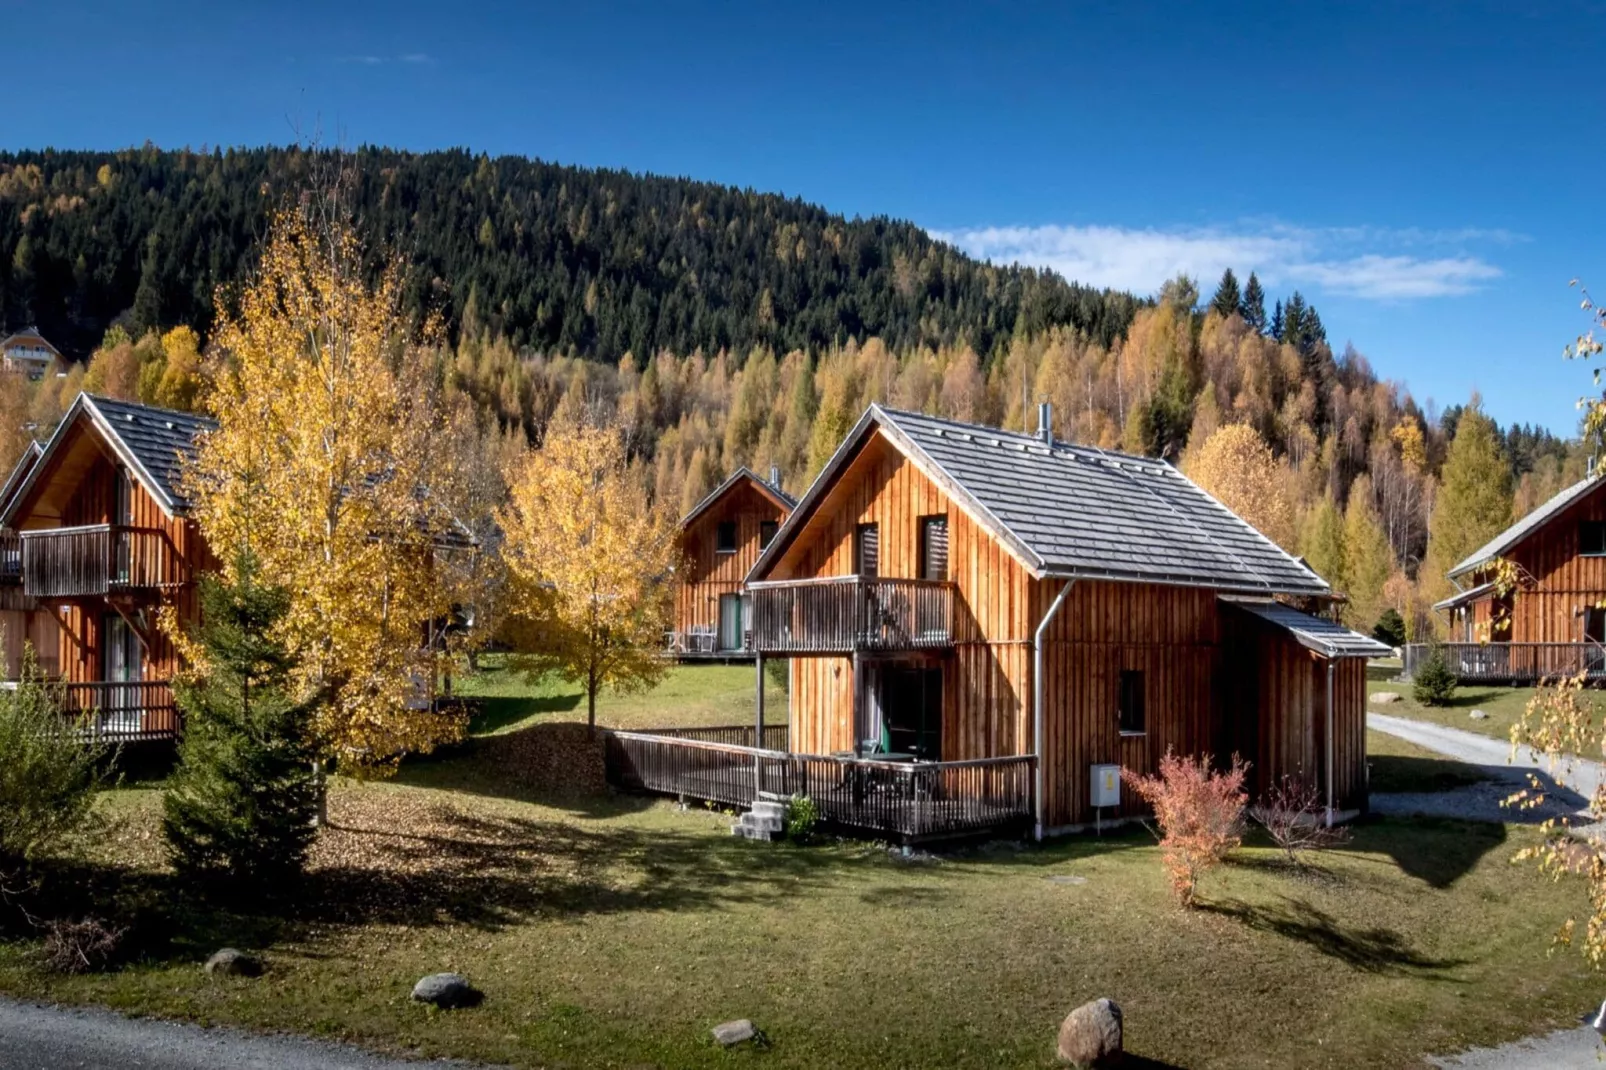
(775,476)
(1045,422)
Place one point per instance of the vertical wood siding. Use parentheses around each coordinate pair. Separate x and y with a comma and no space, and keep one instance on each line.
(707,572)
(1558,582)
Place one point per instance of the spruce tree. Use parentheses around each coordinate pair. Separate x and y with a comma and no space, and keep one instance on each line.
(1227,296)
(1274,329)
(1253,306)
(1293,324)
(239,809)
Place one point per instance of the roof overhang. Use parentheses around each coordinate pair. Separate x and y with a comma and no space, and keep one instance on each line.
(1324,637)
(1471,594)
(781,500)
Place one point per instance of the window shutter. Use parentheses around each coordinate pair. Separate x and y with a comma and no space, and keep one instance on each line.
(934,548)
(868,550)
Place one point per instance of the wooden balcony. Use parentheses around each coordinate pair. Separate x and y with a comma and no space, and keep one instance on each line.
(10,557)
(906,801)
(842,614)
(130,712)
(1514,663)
(98,559)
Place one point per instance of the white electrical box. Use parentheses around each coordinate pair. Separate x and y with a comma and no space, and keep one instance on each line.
(1106,785)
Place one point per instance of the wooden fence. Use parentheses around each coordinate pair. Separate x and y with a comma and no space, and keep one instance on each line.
(906,800)
(1518,663)
(131,712)
(847,613)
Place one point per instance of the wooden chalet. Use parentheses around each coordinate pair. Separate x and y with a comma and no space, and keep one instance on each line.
(103,542)
(28,352)
(720,539)
(1547,616)
(983,627)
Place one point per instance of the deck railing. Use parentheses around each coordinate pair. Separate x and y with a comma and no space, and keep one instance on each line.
(905,800)
(10,557)
(118,712)
(1513,662)
(846,613)
(97,559)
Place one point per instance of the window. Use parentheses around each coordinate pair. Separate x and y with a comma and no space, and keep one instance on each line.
(933,547)
(1592,538)
(867,550)
(766,533)
(726,539)
(1134,720)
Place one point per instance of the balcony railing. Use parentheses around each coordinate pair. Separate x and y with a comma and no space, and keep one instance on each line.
(118,712)
(10,557)
(98,559)
(848,613)
(1517,663)
(909,801)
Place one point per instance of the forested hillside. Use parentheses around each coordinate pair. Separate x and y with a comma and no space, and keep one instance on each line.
(558,259)
(720,327)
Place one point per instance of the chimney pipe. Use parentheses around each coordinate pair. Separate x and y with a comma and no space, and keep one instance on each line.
(775,476)
(1045,422)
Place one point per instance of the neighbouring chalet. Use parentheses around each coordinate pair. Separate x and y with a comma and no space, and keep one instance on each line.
(27,351)
(97,540)
(1546,616)
(983,627)
(719,541)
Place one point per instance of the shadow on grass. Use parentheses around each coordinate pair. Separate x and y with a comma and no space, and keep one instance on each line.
(1391,773)
(493,713)
(1436,851)
(1375,950)
(1389,673)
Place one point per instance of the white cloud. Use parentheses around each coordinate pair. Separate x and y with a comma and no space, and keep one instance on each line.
(1366,262)
(371,60)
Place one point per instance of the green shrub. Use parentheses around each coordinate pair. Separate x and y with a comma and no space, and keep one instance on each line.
(1390,628)
(48,771)
(239,808)
(802,815)
(1434,682)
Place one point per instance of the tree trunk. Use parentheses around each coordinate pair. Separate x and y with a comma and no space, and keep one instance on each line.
(320,785)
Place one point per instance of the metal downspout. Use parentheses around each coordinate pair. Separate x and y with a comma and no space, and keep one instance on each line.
(1332,663)
(1037,706)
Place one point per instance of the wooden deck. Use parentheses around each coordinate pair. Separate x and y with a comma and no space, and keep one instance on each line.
(906,801)
(1515,663)
(98,559)
(134,712)
(842,614)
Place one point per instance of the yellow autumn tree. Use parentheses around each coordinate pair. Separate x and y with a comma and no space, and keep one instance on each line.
(590,565)
(1237,466)
(325,464)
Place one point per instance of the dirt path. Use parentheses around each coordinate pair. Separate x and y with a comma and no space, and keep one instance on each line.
(54,1038)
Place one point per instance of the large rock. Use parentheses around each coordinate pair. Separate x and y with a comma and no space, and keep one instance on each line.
(1383,698)
(1090,1036)
(730,1034)
(447,991)
(232,962)
(1478,715)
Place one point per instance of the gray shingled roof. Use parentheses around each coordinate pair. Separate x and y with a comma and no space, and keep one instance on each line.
(1077,510)
(1472,594)
(150,441)
(1510,537)
(19,471)
(730,481)
(1328,638)
(154,442)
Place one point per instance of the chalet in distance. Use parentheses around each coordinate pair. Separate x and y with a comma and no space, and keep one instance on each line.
(1547,617)
(719,541)
(28,352)
(983,627)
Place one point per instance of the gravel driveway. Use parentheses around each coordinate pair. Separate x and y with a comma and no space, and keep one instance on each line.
(57,1038)
(1507,773)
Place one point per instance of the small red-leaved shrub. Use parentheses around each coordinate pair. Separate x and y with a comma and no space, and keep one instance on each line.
(1200,814)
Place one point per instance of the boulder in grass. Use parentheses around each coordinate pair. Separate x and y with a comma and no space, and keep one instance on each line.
(741,1031)
(1478,715)
(448,991)
(1383,698)
(1090,1036)
(232,962)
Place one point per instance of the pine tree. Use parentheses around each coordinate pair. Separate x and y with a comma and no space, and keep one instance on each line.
(1253,307)
(240,807)
(1227,297)
(1293,324)
(1274,329)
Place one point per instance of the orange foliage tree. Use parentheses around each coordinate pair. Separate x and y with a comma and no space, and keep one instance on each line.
(1200,814)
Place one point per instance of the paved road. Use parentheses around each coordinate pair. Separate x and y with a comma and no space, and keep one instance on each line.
(57,1038)
(1566,1049)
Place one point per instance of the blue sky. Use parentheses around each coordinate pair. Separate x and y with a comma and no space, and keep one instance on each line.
(1426,175)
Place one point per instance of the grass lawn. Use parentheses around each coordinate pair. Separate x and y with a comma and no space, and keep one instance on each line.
(689,695)
(1396,765)
(617,932)
(1504,705)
